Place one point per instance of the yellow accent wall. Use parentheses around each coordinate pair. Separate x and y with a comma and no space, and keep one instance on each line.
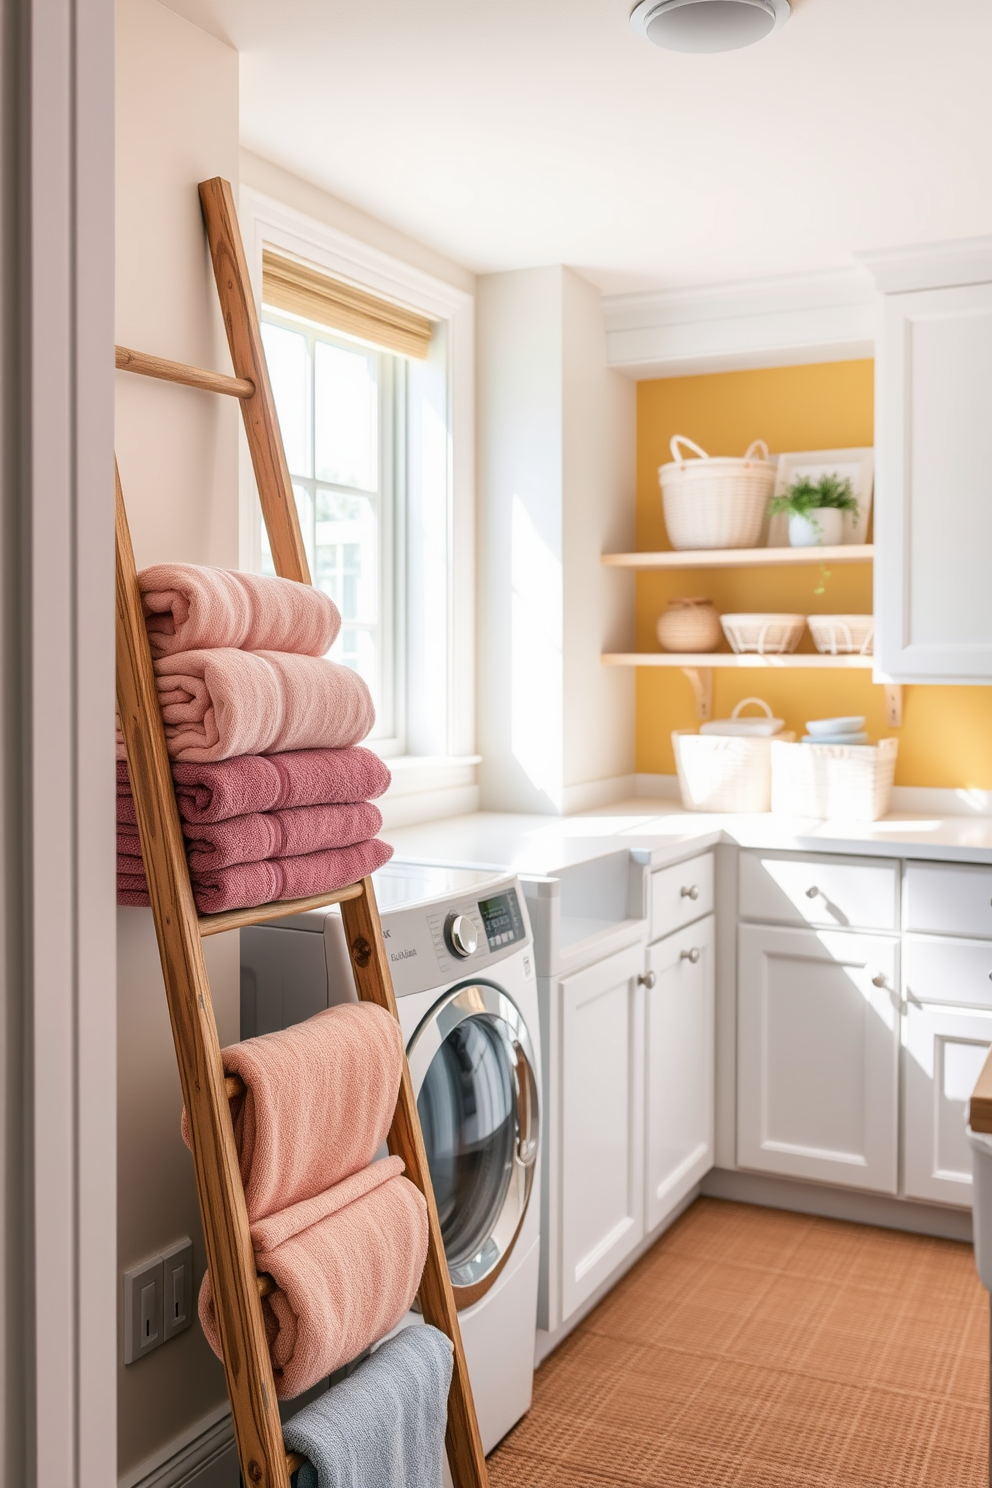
(946,738)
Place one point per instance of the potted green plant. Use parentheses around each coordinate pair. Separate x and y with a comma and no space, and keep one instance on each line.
(816,510)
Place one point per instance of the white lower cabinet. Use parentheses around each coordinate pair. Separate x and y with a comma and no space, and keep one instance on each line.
(679,1066)
(602,1122)
(943,1052)
(818,1056)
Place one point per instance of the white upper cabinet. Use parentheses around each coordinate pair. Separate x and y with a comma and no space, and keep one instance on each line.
(933,502)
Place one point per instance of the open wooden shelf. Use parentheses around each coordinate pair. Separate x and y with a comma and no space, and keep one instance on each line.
(732,659)
(742,557)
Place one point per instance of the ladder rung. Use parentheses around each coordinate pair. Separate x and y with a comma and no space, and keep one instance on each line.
(198,377)
(294,1462)
(233,1085)
(237,919)
(266,1286)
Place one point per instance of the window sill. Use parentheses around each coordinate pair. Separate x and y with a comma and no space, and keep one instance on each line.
(429,787)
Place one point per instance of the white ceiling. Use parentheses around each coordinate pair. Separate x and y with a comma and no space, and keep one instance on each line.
(510,133)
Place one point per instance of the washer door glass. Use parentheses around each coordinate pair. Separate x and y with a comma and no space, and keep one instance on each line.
(466,1107)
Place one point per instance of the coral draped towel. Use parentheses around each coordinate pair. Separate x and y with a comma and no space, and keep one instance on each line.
(264,834)
(188,608)
(212,792)
(223,702)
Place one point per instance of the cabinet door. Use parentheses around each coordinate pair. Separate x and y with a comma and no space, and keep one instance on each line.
(943,1052)
(679,1059)
(602,1167)
(933,519)
(818,1053)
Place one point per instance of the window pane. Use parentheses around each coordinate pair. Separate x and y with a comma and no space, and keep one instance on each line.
(346,559)
(346,414)
(357,649)
(289,372)
(304,510)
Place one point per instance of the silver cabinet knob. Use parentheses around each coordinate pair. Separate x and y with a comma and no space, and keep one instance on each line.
(692,955)
(461,935)
(878,980)
(689,891)
(813,892)
(647,979)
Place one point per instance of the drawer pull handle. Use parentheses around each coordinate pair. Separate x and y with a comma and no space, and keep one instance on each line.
(878,980)
(692,955)
(647,979)
(813,893)
(690,892)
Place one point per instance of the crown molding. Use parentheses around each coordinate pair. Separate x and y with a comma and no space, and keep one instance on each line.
(794,318)
(930,265)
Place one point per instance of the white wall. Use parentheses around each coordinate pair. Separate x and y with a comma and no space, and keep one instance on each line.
(556,453)
(177,124)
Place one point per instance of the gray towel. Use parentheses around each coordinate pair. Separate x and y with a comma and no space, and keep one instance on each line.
(383,1427)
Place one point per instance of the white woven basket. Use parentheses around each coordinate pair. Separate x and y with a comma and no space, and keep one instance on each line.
(843,635)
(849,782)
(768,635)
(718,772)
(716,503)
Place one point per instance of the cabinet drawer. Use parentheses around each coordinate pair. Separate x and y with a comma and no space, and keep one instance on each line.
(949,899)
(681,894)
(845,893)
(958,972)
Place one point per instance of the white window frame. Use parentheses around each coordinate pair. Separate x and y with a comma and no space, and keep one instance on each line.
(265,221)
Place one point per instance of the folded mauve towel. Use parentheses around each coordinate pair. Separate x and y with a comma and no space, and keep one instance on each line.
(346,1264)
(247,885)
(266,834)
(188,607)
(211,792)
(383,1426)
(318,1103)
(224,702)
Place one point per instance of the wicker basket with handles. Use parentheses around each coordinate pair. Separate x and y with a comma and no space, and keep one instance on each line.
(716,503)
(721,772)
(849,782)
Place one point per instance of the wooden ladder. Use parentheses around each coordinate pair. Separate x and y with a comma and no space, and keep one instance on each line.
(180,929)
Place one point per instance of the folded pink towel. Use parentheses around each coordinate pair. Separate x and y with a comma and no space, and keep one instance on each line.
(318,1103)
(265,834)
(216,704)
(188,607)
(346,1264)
(266,782)
(246,885)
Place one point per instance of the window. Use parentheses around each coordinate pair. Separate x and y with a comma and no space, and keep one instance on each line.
(337,401)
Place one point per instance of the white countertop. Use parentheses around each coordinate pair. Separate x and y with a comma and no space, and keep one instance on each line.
(663,833)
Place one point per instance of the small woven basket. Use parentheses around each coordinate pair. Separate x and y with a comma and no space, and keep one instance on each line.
(843,635)
(720,772)
(849,782)
(716,503)
(767,635)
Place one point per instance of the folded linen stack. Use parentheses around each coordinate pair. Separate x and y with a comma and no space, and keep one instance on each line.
(344,1237)
(274,797)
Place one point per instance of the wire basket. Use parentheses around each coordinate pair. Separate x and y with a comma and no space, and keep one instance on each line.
(720,772)
(847,782)
(843,635)
(716,503)
(767,635)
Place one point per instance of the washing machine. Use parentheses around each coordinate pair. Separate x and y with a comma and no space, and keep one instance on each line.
(461,953)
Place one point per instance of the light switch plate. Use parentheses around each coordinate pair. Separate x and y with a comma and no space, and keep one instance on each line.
(177,1262)
(143,1319)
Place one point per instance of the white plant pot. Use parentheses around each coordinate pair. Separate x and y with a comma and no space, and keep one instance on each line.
(822,528)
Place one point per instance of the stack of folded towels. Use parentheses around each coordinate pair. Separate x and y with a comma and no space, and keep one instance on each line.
(274,797)
(344,1238)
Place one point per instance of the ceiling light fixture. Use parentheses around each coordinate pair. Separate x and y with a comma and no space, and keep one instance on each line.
(708,25)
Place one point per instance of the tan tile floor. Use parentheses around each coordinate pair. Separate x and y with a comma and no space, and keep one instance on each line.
(756,1349)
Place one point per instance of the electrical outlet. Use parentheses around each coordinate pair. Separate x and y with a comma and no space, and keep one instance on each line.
(143,1313)
(178,1281)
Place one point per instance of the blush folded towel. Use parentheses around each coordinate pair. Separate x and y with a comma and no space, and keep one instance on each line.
(383,1426)
(188,607)
(247,885)
(219,703)
(346,1264)
(318,1103)
(266,834)
(266,782)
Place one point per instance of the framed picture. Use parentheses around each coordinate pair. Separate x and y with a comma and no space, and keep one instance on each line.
(857,465)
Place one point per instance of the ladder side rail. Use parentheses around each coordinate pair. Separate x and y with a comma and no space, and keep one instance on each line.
(244,337)
(374,983)
(245,1348)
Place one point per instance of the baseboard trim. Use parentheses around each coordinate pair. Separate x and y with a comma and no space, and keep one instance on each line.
(838,1203)
(189,1456)
(592,794)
